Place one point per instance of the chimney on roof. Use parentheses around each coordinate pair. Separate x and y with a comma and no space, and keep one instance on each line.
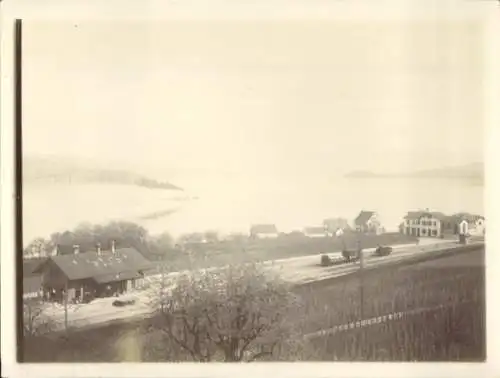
(113,246)
(98,248)
(76,249)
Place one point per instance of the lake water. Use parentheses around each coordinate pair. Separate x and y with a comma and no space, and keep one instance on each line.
(233,204)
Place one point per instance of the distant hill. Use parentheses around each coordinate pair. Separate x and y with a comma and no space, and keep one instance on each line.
(469,172)
(60,170)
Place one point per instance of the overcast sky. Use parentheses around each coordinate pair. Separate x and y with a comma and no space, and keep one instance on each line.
(255,96)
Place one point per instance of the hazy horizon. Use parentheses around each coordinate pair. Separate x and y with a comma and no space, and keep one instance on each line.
(264,97)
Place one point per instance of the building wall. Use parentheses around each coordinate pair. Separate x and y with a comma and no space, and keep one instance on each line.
(265,236)
(316,235)
(53,277)
(463,228)
(477,228)
(332,225)
(372,225)
(423,227)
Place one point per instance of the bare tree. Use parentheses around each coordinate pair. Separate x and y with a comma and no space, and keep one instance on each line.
(238,313)
(35,320)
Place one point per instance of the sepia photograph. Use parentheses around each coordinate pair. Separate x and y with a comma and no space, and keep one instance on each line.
(255,190)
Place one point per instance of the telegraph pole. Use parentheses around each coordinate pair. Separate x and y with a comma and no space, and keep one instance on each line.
(162,284)
(362,338)
(66,307)
(361,277)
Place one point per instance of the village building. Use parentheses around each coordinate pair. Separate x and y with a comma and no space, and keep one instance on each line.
(436,224)
(368,222)
(264,231)
(315,232)
(32,282)
(335,226)
(424,223)
(87,275)
(475,223)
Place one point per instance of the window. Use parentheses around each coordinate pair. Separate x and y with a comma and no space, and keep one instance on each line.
(434,233)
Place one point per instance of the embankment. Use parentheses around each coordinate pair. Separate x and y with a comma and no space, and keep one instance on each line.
(439,306)
(392,265)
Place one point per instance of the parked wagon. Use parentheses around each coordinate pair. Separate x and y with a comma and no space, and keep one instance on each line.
(351,255)
(383,251)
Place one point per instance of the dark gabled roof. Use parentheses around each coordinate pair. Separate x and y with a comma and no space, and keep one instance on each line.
(334,223)
(439,215)
(363,217)
(113,277)
(468,217)
(29,266)
(264,229)
(314,230)
(415,214)
(420,214)
(90,264)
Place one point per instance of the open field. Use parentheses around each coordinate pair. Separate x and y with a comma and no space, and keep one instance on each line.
(452,332)
(428,284)
(283,247)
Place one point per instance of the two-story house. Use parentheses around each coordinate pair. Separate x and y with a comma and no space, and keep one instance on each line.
(423,224)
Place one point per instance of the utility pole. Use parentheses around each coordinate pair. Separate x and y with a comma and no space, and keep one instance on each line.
(362,337)
(361,277)
(162,284)
(66,307)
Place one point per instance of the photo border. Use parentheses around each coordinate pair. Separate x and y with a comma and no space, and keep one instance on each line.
(11,172)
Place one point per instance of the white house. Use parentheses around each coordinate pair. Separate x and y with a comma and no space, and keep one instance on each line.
(423,224)
(315,232)
(264,231)
(368,222)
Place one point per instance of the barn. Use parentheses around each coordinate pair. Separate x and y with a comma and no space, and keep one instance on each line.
(92,274)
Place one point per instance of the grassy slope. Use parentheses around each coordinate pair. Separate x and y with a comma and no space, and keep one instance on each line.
(454,333)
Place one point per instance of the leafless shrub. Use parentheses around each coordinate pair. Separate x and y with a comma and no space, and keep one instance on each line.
(35,320)
(237,313)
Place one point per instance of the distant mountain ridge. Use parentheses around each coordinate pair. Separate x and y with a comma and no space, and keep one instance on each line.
(55,170)
(472,171)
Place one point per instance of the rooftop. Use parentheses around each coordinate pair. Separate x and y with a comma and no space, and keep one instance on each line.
(363,217)
(264,229)
(91,264)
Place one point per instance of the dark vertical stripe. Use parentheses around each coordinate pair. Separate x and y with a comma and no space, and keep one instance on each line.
(19,186)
